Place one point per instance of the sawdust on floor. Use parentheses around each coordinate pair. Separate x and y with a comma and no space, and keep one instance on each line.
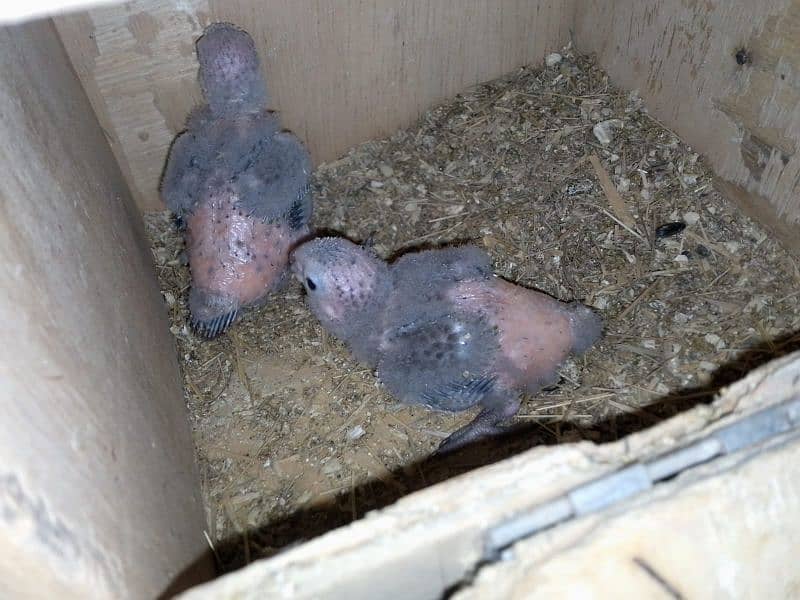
(565,180)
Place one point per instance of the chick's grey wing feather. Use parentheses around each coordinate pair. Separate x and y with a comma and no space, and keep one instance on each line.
(422,280)
(274,180)
(444,363)
(447,265)
(184,174)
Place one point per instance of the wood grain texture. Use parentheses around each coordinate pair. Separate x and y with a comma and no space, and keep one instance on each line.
(99,496)
(745,118)
(340,72)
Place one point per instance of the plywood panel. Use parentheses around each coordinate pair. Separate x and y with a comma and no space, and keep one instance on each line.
(340,71)
(745,118)
(730,532)
(99,496)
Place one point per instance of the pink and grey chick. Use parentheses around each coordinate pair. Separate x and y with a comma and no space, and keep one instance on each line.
(442,329)
(238,183)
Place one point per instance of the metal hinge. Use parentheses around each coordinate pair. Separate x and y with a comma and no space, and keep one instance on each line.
(639,477)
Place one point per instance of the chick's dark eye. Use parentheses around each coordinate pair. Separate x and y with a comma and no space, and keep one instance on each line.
(310,283)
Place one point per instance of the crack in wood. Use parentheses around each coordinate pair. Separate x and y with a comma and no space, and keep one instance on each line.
(663,583)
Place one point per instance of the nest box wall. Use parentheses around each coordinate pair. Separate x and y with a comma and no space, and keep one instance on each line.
(725,76)
(339,72)
(99,496)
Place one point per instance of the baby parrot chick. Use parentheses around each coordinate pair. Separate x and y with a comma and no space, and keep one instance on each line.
(442,330)
(238,183)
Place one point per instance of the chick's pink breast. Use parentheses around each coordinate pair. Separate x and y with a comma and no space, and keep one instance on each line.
(534,330)
(236,255)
